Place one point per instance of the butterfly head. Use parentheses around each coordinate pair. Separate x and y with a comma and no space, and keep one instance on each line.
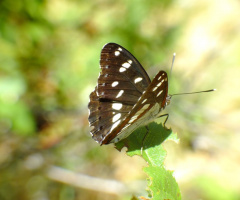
(168,99)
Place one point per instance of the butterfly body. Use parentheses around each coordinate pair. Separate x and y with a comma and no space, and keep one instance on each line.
(125,97)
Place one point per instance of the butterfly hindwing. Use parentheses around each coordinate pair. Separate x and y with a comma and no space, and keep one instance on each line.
(146,109)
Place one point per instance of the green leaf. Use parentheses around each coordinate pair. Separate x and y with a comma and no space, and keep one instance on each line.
(162,184)
(147,143)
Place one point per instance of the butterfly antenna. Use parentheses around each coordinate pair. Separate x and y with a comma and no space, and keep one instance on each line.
(194,92)
(174,55)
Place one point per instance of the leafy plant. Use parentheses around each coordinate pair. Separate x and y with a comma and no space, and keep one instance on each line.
(147,143)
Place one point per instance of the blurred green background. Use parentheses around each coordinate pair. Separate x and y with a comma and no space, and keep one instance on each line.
(49,64)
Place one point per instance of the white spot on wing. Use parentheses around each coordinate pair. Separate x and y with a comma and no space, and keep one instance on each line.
(117,53)
(117,106)
(130,62)
(133,118)
(115,125)
(120,93)
(115,83)
(138,79)
(144,101)
(116,117)
(127,65)
(159,93)
(122,69)
(159,77)
(142,109)
(160,83)
(154,89)
(120,49)
(139,113)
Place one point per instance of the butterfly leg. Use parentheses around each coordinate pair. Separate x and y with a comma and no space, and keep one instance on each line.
(165,119)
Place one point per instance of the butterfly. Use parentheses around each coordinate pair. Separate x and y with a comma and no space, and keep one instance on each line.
(125,98)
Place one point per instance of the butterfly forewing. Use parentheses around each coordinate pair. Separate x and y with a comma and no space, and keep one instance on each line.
(123,75)
(124,96)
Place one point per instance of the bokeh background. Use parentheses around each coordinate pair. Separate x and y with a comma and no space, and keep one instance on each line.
(49,64)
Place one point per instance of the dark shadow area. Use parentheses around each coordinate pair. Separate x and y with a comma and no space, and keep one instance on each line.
(138,139)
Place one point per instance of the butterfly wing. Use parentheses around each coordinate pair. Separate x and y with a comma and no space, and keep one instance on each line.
(146,109)
(121,83)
